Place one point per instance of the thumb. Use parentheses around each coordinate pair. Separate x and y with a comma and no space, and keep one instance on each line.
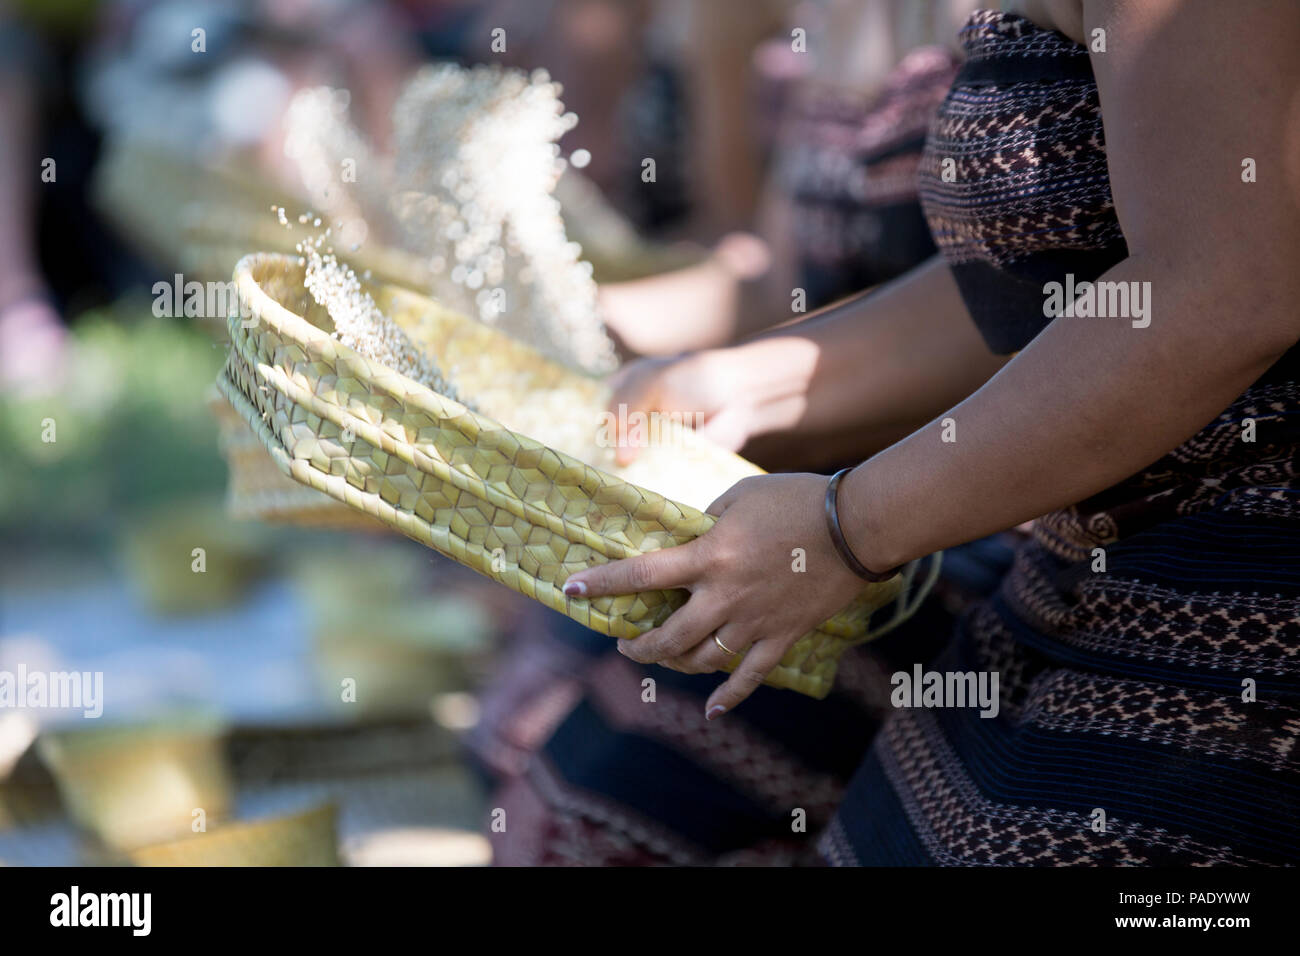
(729,428)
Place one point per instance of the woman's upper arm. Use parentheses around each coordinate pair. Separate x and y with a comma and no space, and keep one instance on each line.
(1201,103)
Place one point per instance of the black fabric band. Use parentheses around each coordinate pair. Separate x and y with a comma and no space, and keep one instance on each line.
(837,536)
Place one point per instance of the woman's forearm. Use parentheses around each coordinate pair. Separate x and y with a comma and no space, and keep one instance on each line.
(1092,401)
(1088,403)
(886,361)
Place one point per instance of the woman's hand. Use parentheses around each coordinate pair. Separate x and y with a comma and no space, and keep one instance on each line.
(868,370)
(705,383)
(764,576)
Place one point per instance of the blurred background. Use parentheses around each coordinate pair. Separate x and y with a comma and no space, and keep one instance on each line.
(279,683)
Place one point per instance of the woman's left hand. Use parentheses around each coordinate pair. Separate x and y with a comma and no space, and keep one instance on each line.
(761,578)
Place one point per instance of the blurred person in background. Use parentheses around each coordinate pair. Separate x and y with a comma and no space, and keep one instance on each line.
(836,211)
(660,79)
(73,72)
(225,93)
(49,245)
(668,81)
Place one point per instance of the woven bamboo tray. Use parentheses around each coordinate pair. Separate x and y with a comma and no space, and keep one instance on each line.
(258,490)
(132,785)
(309,838)
(511,507)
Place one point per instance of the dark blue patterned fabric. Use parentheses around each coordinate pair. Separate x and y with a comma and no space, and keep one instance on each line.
(1150,707)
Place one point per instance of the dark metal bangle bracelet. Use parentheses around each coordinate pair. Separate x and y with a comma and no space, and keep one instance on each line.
(837,536)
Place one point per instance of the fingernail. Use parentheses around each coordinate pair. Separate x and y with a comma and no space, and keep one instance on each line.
(575,588)
(714,711)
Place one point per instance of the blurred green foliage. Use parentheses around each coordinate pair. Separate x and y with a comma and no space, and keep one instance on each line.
(131,427)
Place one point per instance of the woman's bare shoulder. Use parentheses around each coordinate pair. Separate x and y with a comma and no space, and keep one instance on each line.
(1064,16)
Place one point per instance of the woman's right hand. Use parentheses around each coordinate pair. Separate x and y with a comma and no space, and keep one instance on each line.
(706,386)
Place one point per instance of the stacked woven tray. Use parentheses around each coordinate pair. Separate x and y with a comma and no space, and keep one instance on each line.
(258,489)
(513,507)
(306,838)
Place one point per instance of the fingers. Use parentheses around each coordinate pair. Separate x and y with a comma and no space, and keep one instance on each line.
(636,388)
(745,679)
(626,451)
(688,626)
(729,428)
(743,254)
(629,380)
(667,568)
(706,657)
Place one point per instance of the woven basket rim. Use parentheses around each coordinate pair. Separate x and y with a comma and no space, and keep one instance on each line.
(400,388)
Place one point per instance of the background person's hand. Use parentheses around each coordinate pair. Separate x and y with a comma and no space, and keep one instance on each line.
(700,383)
(744,583)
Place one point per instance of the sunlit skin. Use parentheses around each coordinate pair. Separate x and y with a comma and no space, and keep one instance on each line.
(1188,90)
